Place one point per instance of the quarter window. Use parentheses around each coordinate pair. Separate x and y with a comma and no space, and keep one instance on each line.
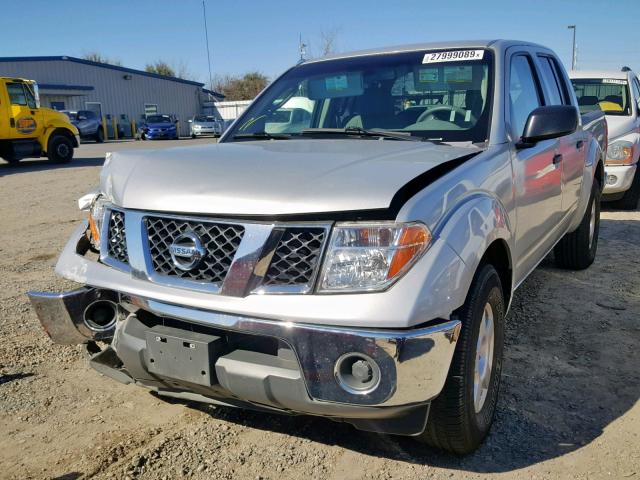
(524,96)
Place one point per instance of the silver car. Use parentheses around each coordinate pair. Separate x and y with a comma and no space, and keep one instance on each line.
(358,263)
(205,125)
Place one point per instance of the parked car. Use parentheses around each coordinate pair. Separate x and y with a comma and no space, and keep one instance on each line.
(30,130)
(617,94)
(360,268)
(88,124)
(158,126)
(205,125)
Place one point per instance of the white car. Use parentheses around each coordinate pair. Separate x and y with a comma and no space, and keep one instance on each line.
(205,125)
(617,94)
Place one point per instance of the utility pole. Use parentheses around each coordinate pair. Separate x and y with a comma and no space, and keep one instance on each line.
(574,53)
(206,35)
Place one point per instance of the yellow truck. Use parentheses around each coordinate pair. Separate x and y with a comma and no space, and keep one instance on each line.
(29,130)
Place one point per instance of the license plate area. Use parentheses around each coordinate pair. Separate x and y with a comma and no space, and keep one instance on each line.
(183,355)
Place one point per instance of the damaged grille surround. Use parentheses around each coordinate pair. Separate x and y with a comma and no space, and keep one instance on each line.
(241,257)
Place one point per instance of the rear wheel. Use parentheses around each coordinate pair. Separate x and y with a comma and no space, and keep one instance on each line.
(631,197)
(577,249)
(60,149)
(100,135)
(460,417)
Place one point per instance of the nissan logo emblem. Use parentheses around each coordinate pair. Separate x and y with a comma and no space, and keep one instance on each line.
(187,251)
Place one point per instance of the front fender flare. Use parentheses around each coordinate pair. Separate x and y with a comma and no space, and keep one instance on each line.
(51,127)
(472,227)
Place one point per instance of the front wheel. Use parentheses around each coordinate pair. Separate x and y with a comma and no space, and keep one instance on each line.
(100,135)
(632,196)
(577,249)
(60,149)
(461,416)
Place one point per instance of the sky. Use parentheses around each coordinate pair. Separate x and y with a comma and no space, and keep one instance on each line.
(252,35)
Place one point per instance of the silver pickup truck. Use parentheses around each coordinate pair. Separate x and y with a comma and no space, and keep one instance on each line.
(357,263)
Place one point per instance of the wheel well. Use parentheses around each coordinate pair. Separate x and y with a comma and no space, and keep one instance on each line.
(599,174)
(498,255)
(64,132)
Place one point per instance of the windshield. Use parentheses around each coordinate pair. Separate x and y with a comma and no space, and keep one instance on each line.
(443,96)
(607,94)
(204,118)
(158,119)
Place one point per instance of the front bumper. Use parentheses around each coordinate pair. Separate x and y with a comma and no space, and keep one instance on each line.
(299,376)
(618,178)
(157,135)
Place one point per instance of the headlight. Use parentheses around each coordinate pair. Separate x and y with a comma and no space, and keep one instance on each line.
(197,127)
(370,257)
(620,153)
(96,216)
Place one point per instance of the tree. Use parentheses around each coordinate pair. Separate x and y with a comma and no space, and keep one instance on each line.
(327,40)
(245,87)
(99,58)
(160,67)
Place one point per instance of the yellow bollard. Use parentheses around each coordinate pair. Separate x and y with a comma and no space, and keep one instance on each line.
(115,128)
(104,128)
(133,129)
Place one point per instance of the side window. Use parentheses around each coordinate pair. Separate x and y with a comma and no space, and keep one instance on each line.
(551,80)
(561,79)
(524,96)
(16,94)
(636,89)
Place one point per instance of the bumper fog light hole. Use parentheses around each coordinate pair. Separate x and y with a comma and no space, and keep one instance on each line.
(357,373)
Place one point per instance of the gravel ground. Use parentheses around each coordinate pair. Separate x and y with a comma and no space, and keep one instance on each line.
(568,406)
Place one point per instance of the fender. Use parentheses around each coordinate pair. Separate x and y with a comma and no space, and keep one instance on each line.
(594,160)
(471,227)
(52,126)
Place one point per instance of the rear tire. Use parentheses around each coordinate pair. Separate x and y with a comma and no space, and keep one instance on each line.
(100,135)
(461,416)
(60,149)
(631,197)
(577,249)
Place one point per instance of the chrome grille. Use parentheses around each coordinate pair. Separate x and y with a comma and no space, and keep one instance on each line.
(117,244)
(220,241)
(296,257)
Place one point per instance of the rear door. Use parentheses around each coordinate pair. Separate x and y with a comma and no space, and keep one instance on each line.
(572,147)
(25,119)
(536,172)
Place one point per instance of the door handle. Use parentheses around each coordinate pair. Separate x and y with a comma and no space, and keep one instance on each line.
(579,144)
(557,158)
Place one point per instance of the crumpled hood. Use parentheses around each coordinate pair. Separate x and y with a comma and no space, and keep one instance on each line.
(270,177)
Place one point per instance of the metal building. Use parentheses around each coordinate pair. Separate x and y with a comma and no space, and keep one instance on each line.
(68,83)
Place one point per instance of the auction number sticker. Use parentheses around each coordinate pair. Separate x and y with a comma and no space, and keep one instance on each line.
(614,80)
(453,56)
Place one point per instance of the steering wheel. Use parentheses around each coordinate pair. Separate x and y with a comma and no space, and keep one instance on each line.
(432,114)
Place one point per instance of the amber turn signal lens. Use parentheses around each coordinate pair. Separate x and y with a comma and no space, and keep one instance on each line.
(94,231)
(413,239)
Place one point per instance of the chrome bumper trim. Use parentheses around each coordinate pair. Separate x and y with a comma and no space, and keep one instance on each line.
(413,363)
(61,314)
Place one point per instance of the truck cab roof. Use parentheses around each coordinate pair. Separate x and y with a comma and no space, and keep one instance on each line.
(614,74)
(498,45)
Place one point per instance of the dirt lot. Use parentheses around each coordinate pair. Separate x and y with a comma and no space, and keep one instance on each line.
(568,408)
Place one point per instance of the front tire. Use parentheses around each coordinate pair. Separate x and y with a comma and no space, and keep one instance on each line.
(461,416)
(100,135)
(577,249)
(60,149)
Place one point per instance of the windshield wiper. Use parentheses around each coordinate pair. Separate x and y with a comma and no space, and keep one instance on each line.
(361,132)
(263,136)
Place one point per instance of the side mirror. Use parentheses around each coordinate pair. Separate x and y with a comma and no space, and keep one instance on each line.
(549,122)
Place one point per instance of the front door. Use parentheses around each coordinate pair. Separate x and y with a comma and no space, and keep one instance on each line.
(537,170)
(25,120)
